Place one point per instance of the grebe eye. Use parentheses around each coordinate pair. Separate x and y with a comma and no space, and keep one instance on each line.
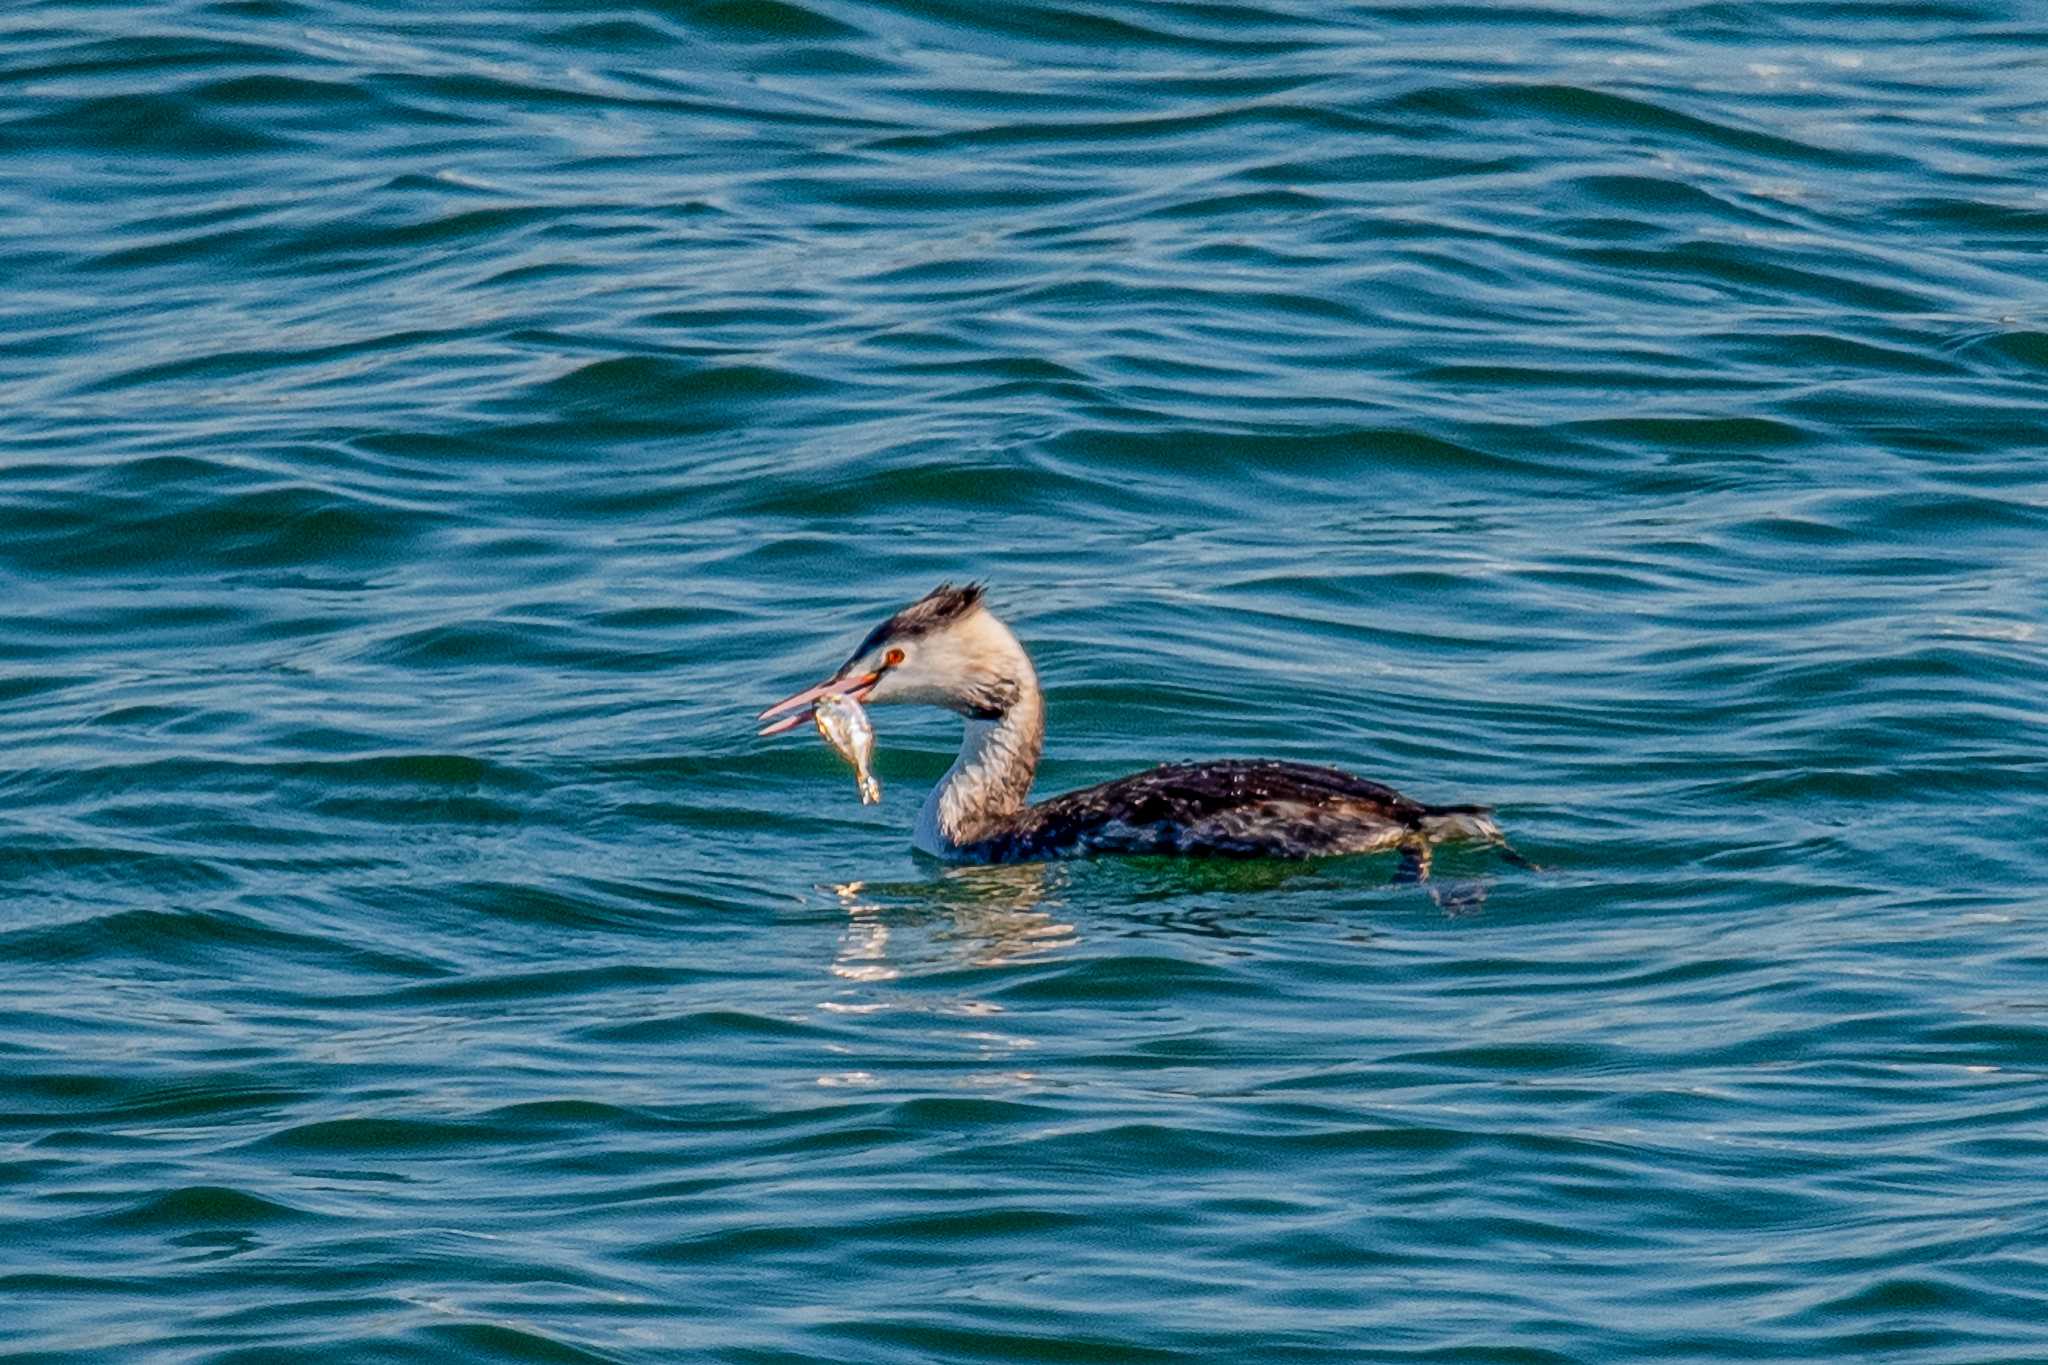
(892,658)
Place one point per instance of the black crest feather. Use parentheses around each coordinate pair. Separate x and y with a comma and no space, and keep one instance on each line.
(936,610)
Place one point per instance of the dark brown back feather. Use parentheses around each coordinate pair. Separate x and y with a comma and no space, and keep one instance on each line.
(1172,799)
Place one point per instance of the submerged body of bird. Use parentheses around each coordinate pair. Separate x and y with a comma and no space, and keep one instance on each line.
(845,725)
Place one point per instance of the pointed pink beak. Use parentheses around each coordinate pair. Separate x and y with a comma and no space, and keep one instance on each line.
(857,688)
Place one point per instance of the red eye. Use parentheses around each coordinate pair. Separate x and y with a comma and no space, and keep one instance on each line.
(893,658)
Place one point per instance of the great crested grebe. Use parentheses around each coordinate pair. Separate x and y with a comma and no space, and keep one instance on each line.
(947,649)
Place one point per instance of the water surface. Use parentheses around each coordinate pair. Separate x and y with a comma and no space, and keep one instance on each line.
(432,435)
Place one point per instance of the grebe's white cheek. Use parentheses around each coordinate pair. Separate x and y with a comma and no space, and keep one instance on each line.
(906,682)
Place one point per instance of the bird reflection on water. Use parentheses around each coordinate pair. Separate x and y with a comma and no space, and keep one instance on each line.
(918,950)
(993,915)
(988,916)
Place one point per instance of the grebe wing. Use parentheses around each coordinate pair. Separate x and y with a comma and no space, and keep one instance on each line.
(1186,792)
(1238,807)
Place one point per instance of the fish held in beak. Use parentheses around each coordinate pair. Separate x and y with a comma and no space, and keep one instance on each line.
(845,726)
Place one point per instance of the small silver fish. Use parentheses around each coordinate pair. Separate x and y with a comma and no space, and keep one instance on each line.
(846,727)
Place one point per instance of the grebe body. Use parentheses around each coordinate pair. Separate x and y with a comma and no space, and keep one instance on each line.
(947,649)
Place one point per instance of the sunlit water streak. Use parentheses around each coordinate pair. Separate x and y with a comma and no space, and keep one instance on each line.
(432,435)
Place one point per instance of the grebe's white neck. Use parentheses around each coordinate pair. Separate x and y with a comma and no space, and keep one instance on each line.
(990,782)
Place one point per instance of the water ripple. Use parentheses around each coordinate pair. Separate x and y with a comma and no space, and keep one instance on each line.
(433,436)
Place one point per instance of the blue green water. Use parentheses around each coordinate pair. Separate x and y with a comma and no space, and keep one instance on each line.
(432,433)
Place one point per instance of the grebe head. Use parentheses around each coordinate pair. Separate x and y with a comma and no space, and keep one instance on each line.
(945,649)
